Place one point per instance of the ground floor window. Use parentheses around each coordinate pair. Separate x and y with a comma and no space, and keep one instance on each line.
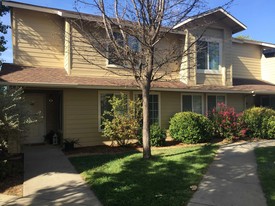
(105,105)
(213,100)
(192,102)
(154,107)
(265,101)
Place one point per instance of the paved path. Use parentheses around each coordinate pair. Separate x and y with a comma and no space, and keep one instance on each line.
(231,179)
(50,179)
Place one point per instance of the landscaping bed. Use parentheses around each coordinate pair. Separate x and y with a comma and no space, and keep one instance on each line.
(13,183)
(125,178)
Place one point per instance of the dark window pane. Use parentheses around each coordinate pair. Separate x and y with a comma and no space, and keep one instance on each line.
(211,102)
(197,104)
(202,55)
(214,56)
(187,103)
(221,99)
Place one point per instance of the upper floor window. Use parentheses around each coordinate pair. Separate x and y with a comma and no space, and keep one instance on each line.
(131,42)
(208,55)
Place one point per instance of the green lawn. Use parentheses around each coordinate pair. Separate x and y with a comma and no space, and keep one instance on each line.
(266,171)
(127,179)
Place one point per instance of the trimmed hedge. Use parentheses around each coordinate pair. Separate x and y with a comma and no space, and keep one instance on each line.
(259,122)
(189,127)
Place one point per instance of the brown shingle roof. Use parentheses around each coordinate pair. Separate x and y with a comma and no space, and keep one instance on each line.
(12,74)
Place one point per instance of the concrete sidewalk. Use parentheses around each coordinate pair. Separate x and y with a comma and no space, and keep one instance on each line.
(50,179)
(231,179)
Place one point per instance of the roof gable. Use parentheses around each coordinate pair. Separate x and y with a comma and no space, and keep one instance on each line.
(218,14)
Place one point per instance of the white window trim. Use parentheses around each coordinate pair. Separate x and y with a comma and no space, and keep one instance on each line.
(198,94)
(159,103)
(99,102)
(225,97)
(208,71)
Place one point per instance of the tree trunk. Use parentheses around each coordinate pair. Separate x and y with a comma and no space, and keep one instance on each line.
(146,123)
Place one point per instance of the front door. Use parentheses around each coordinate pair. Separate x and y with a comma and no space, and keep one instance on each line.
(36,130)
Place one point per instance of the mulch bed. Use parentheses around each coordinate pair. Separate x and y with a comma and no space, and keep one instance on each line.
(13,183)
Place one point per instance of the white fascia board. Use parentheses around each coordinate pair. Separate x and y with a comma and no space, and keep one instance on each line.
(247,41)
(30,7)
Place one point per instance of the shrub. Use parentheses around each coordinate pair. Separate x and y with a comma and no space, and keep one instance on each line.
(256,120)
(271,127)
(157,136)
(190,127)
(225,122)
(122,123)
(14,119)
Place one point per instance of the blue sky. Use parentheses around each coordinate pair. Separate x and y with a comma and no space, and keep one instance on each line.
(257,15)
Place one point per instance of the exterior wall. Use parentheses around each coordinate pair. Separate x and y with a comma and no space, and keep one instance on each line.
(209,79)
(85,59)
(171,46)
(224,76)
(38,39)
(268,69)
(80,116)
(246,60)
(236,101)
(80,112)
(170,104)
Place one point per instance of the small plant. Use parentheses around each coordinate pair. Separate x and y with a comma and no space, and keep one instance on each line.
(225,122)
(69,143)
(157,136)
(189,127)
(259,121)
(122,123)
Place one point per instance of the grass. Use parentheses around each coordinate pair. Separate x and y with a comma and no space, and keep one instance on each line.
(266,171)
(127,179)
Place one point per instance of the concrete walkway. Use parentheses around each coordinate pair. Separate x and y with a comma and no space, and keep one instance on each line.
(50,179)
(231,179)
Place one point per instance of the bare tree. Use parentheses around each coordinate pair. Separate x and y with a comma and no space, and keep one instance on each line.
(132,34)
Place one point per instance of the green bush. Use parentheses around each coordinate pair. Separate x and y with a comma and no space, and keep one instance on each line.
(189,127)
(271,127)
(256,121)
(122,123)
(157,136)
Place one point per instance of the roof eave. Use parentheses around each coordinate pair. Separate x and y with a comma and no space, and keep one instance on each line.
(240,26)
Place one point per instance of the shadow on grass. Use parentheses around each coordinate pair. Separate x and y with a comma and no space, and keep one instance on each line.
(266,170)
(127,179)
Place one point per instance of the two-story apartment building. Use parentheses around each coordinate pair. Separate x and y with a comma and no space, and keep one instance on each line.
(72,94)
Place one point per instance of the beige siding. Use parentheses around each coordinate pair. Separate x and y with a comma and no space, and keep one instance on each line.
(227,58)
(37,39)
(80,113)
(246,61)
(87,61)
(268,69)
(170,104)
(223,34)
(169,48)
(209,79)
(236,101)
